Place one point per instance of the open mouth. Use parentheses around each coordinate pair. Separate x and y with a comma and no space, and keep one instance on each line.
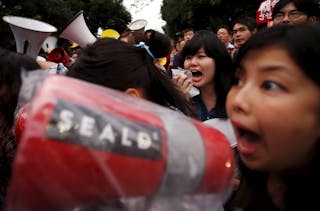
(245,134)
(238,40)
(248,141)
(196,73)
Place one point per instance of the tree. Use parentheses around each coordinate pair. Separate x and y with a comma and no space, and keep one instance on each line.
(204,14)
(54,12)
(104,13)
(108,14)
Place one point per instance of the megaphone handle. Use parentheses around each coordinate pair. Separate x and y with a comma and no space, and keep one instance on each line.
(25,46)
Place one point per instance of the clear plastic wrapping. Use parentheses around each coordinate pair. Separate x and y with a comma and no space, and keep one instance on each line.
(86,147)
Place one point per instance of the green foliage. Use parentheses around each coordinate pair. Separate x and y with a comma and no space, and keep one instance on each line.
(98,13)
(108,14)
(204,14)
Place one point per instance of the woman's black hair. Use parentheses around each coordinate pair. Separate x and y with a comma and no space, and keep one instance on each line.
(119,65)
(159,44)
(215,49)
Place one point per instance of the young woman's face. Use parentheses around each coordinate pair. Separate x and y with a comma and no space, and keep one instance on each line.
(202,68)
(275,110)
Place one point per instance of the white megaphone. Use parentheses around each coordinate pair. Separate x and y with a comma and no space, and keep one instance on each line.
(29,34)
(49,44)
(138,25)
(77,31)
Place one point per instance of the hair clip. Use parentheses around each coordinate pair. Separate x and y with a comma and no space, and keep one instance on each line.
(143,45)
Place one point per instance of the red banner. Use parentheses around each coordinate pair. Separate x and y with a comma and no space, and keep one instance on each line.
(264,13)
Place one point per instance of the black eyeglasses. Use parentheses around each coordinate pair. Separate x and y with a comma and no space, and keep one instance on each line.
(293,14)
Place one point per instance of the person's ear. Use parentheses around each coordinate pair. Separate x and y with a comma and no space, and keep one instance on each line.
(313,19)
(134,92)
(254,31)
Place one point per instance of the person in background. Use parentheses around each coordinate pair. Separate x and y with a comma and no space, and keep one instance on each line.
(75,54)
(211,67)
(188,33)
(243,29)
(73,51)
(178,60)
(274,106)
(178,36)
(157,44)
(224,35)
(172,53)
(11,65)
(160,46)
(295,12)
(180,45)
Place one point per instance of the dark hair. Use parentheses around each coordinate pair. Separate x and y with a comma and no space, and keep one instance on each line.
(187,30)
(11,64)
(119,65)
(159,43)
(224,26)
(215,49)
(247,21)
(309,7)
(178,36)
(302,44)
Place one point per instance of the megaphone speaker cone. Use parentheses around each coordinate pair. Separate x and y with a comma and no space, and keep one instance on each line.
(77,31)
(29,24)
(29,34)
(137,25)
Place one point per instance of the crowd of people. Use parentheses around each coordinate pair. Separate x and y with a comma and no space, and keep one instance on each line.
(264,80)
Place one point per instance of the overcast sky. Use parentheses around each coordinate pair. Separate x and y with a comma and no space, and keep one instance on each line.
(148,10)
